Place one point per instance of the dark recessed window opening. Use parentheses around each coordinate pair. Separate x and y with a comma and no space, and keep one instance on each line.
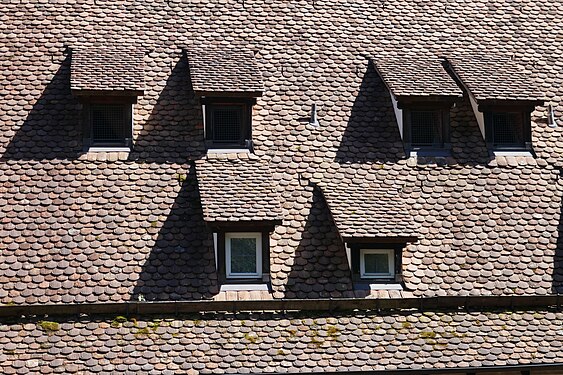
(109,124)
(426,129)
(228,122)
(507,129)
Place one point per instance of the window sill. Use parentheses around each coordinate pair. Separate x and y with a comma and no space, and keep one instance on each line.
(244,287)
(228,151)
(430,153)
(109,149)
(375,286)
(513,153)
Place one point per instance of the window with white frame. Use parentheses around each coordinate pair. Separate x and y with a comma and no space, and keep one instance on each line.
(377,263)
(107,122)
(243,255)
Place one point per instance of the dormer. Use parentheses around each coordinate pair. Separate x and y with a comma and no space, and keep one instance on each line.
(502,96)
(422,94)
(241,207)
(227,81)
(107,82)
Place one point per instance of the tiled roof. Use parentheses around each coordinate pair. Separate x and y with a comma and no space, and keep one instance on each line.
(237,189)
(102,227)
(117,68)
(364,207)
(227,69)
(415,75)
(494,77)
(283,343)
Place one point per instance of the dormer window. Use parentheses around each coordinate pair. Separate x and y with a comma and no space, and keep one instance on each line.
(376,262)
(502,96)
(422,94)
(227,80)
(507,130)
(107,123)
(228,122)
(426,128)
(107,82)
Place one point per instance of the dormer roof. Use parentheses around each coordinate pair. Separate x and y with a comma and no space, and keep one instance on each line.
(416,76)
(119,69)
(224,70)
(237,190)
(366,208)
(495,78)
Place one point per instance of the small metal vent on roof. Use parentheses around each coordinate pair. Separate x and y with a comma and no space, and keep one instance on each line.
(551,117)
(314,120)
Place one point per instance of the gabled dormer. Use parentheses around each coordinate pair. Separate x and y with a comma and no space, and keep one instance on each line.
(503,96)
(227,81)
(422,94)
(107,81)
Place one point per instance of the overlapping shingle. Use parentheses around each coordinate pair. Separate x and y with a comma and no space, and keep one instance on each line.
(282,343)
(495,78)
(224,69)
(237,189)
(484,226)
(116,68)
(416,75)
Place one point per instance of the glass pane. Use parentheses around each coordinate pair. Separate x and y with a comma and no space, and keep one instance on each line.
(108,123)
(376,263)
(507,128)
(426,128)
(243,255)
(227,123)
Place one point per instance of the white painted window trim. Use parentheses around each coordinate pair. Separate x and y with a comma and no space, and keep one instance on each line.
(258,237)
(391,259)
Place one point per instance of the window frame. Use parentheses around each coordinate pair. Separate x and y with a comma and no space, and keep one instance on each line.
(443,111)
(228,254)
(356,248)
(390,263)
(525,129)
(88,107)
(212,104)
(222,232)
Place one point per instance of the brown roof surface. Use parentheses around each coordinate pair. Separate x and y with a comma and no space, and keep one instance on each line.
(117,68)
(495,77)
(267,343)
(104,227)
(227,68)
(363,206)
(237,189)
(416,75)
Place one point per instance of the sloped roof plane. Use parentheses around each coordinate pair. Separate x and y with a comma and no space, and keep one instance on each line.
(495,78)
(115,68)
(412,75)
(216,70)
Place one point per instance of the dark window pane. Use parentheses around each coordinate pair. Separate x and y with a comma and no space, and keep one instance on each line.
(507,128)
(376,264)
(426,129)
(243,255)
(108,123)
(227,124)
